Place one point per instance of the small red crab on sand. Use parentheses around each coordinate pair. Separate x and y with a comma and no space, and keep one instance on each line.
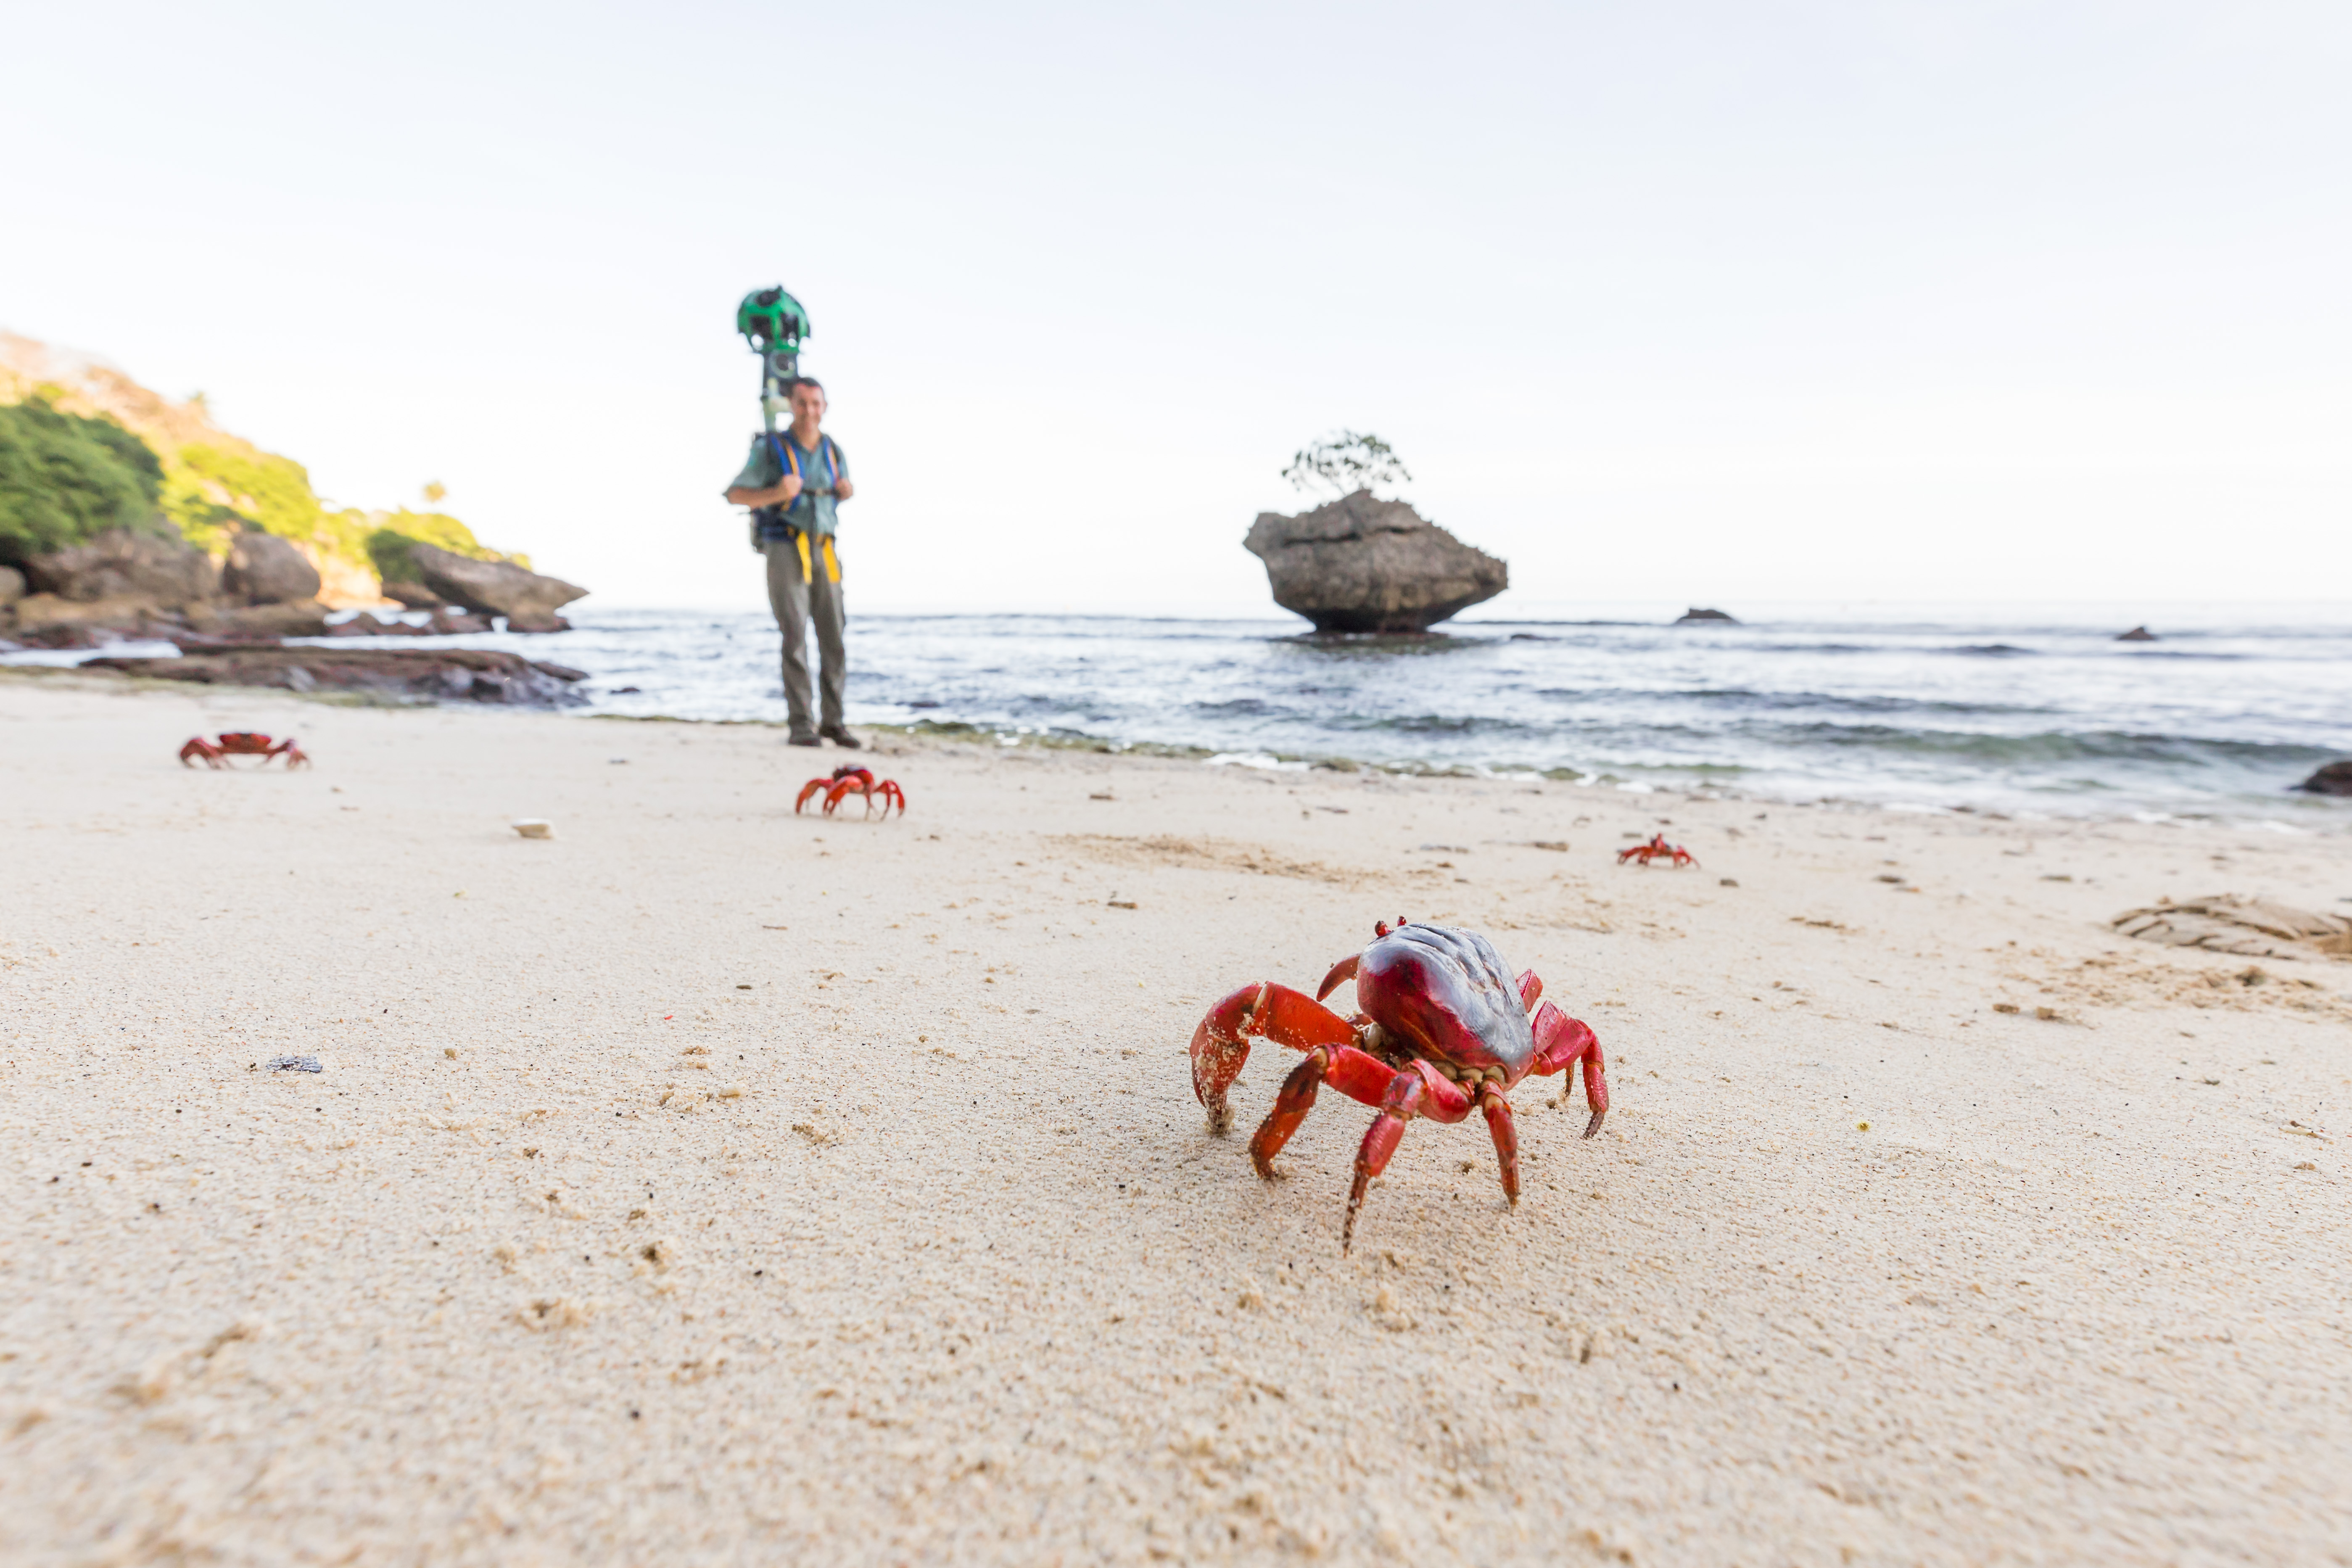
(1657,846)
(1444,1031)
(850,779)
(241,743)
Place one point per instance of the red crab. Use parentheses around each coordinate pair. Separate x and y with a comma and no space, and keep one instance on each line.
(1445,1030)
(848,780)
(241,743)
(1657,846)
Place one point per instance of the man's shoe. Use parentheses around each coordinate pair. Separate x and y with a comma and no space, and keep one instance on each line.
(803,741)
(840,736)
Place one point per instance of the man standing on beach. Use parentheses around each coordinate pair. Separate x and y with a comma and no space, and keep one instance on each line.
(795,481)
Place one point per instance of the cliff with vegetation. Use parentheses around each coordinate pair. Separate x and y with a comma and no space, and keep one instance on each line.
(84,448)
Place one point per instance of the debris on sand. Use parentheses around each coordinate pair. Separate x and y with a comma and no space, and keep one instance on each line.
(2226,922)
(294,1064)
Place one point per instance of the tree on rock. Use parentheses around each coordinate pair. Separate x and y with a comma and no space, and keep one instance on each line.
(1349,461)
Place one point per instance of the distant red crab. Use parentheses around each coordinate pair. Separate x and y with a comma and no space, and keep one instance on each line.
(848,780)
(241,743)
(1445,1030)
(1657,846)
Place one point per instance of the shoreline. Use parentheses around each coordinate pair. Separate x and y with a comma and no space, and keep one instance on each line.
(2323,815)
(710,1181)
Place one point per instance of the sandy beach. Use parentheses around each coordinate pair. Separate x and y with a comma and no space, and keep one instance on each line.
(712,1184)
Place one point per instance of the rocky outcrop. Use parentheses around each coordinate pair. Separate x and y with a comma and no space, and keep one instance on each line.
(2137,634)
(1696,614)
(474,675)
(302,618)
(263,569)
(12,586)
(157,568)
(1362,565)
(39,615)
(491,587)
(414,597)
(2335,778)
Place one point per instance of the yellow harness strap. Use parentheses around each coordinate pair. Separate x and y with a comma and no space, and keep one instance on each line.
(832,562)
(800,542)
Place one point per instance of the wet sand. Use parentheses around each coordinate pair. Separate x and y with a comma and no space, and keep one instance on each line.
(708,1183)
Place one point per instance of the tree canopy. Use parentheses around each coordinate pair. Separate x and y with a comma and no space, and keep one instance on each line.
(1347,461)
(64,478)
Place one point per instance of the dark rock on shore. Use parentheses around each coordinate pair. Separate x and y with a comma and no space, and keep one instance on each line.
(414,596)
(538,624)
(263,569)
(444,624)
(1362,565)
(1696,614)
(126,564)
(477,674)
(491,587)
(304,618)
(2335,778)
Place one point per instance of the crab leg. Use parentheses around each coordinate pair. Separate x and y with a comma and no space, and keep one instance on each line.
(1561,1042)
(813,787)
(1290,1108)
(1221,1044)
(1380,1139)
(1501,1127)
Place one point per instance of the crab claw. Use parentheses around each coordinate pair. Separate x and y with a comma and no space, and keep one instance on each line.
(1561,1042)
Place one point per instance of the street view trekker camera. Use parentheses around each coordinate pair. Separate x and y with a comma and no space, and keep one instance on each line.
(774,323)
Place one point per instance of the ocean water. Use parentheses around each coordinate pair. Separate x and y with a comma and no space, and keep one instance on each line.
(2019,710)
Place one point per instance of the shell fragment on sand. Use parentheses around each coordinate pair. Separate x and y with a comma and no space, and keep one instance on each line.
(294,1064)
(535,827)
(2254,927)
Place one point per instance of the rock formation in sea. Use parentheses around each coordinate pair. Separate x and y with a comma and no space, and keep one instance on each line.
(2137,634)
(2334,778)
(493,587)
(1696,614)
(1362,565)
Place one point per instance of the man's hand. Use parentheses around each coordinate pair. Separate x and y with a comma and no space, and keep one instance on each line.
(783,493)
(843,489)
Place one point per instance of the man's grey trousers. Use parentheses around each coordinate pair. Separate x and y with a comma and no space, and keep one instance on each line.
(796,603)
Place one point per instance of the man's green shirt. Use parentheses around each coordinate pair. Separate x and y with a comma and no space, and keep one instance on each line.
(814,510)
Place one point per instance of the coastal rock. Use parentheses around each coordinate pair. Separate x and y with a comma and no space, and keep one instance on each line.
(39,613)
(414,596)
(123,562)
(491,587)
(2335,778)
(263,569)
(475,675)
(2137,634)
(538,624)
(1362,565)
(445,625)
(1696,614)
(304,618)
(12,586)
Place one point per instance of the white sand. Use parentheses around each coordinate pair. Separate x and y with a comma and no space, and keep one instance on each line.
(918,1251)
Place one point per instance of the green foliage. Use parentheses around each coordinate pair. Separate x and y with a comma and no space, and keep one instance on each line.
(263,487)
(1348,462)
(64,478)
(396,531)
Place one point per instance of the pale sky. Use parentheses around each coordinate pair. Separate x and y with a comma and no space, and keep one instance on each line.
(1715,303)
